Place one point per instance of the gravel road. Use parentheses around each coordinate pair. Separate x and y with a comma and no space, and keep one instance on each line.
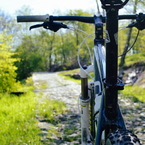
(68,92)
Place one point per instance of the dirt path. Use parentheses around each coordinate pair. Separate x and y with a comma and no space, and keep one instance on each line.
(68,92)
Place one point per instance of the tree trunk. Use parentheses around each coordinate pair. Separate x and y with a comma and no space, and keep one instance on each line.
(122,62)
(50,52)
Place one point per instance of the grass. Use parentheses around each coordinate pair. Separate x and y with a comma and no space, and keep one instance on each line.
(18,124)
(17,120)
(41,85)
(68,75)
(49,109)
(134,58)
(135,93)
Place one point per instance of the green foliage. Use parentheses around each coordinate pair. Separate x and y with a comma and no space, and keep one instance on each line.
(134,59)
(136,49)
(79,37)
(30,58)
(7,68)
(18,116)
(49,51)
(67,75)
(17,120)
(49,109)
(139,46)
(135,93)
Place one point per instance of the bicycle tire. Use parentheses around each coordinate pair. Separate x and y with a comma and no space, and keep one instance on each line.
(122,137)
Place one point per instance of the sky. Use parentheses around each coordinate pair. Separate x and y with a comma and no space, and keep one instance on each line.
(47,6)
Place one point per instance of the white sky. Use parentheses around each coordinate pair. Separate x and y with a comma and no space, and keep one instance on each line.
(47,6)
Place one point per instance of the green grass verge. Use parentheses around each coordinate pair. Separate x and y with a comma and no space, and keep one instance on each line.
(68,75)
(17,120)
(49,109)
(135,93)
(134,58)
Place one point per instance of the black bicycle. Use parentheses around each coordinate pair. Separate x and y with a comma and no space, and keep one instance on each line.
(101,118)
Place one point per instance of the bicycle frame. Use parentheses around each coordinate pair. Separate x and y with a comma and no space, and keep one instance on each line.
(103,122)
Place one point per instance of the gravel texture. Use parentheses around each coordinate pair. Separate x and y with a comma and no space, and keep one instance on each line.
(69,126)
(68,92)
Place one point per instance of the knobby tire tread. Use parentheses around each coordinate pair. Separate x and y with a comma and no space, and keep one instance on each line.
(122,137)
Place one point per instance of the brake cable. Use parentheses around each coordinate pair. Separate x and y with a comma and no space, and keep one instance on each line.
(140,25)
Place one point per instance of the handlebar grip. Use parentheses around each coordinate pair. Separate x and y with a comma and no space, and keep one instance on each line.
(33,18)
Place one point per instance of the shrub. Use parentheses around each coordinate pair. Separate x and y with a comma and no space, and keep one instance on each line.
(7,68)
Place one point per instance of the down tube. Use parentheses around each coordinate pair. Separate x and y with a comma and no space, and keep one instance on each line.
(99,68)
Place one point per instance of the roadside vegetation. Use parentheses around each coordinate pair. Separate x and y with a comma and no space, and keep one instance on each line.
(69,75)
(18,121)
(133,59)
(134,93)
(49,109)
(73,75)
(17,118)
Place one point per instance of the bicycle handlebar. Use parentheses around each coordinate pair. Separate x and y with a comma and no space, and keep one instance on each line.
(85,19)
(50,24)
(33,18)
(42,18)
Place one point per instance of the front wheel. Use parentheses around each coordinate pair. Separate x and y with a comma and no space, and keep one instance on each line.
(122,137)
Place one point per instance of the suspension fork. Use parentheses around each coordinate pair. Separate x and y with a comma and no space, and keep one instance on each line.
(84,102)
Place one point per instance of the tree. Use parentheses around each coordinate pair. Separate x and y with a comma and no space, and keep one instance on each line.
(122,61)
(49,51)
(7,67)
(46,42)
(7,23)
(23,28)
(30,58)
(78,36)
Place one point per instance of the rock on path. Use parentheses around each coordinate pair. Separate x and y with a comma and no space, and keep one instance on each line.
(68,92)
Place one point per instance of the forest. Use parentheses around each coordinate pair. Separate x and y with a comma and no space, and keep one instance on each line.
(24,52)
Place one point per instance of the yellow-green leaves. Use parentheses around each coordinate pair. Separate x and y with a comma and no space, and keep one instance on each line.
(7,68)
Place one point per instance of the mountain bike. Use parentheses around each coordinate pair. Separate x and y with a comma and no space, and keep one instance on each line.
(101,119)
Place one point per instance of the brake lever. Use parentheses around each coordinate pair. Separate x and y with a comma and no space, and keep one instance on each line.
(53,26)
(140,22)
(36,26)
